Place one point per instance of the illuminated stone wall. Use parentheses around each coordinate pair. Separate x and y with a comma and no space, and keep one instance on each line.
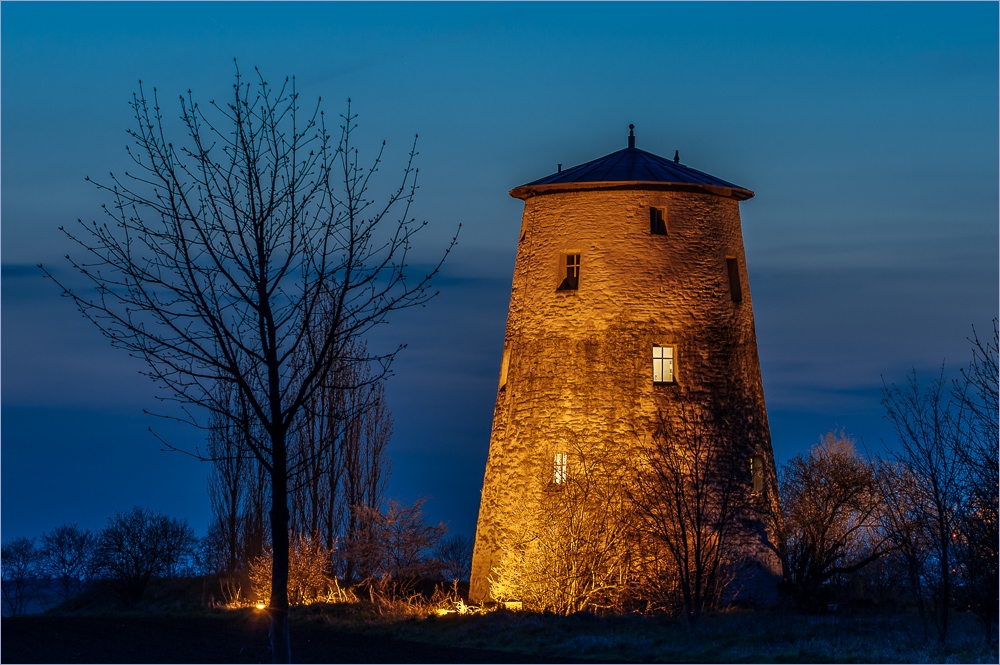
(578,363)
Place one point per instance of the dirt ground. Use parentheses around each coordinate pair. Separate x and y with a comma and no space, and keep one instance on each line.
(239,638)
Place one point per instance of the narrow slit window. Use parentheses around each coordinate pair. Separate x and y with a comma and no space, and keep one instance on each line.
(657,221)
(757,473)
(733,268)
(663,364)
(559,469)
(504,364)
(571,273)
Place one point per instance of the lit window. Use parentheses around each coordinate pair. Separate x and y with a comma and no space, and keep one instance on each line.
(572,273)
(657,222)
(733,268)
(504,364)
(757,473)
(663,364)
(559,469)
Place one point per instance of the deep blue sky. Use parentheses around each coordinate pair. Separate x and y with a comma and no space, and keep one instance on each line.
(868,132)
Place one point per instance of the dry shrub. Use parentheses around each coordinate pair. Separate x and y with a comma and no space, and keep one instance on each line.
(388,601)
(582,555)
(309,573)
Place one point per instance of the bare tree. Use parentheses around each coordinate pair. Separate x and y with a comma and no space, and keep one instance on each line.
(20,564)
(692,493)
(977,545)
(397,545)
(339,443)
(363,471)
(831,509)
(341,440)
(238,494)
(929,426)
(229,484)
(66,552)
(137,546)
(455,555)
(252,255)
(902,518)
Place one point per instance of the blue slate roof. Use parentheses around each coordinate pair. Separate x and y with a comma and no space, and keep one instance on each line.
(632,165)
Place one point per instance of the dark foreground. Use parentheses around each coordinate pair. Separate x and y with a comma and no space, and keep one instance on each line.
(237,637)
(361,633)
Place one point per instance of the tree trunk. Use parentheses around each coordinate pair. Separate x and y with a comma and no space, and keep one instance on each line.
(913,570)
(281,650)
(945,585)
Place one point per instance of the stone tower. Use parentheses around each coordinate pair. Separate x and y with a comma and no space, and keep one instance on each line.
(630,295)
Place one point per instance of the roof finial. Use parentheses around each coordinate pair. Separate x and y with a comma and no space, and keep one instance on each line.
(631,136)
(677,156)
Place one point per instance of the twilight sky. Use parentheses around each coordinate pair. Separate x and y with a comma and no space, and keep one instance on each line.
(868,132)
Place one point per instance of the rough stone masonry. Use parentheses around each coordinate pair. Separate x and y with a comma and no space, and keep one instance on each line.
(630,295)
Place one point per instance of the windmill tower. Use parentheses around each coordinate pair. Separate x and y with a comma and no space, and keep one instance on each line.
(630,300)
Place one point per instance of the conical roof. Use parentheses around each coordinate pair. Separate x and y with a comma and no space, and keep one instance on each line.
(631,167)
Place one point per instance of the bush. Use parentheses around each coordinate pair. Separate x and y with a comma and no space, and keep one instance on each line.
(66,554)
(137,546)
(21,568)
(309,568)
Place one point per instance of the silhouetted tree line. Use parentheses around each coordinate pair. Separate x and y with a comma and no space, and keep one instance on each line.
(139,545)
(917,524)
(134,548)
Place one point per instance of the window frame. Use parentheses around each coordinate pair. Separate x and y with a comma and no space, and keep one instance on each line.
(569,270)
(560,469)
(659,360)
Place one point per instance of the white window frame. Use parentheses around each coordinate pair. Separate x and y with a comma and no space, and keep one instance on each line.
(664,364)
(569,270)
(559,469)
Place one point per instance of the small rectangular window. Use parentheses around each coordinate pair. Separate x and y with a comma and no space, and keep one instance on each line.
(559,469)
(504,364)
(757,473)
(657,221)
(663,364)
(733,268)
(571,280)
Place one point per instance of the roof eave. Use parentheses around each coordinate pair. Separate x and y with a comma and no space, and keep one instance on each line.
(527,191)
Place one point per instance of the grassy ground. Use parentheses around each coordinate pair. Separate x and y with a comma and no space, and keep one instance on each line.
(172,625)
(745,636)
